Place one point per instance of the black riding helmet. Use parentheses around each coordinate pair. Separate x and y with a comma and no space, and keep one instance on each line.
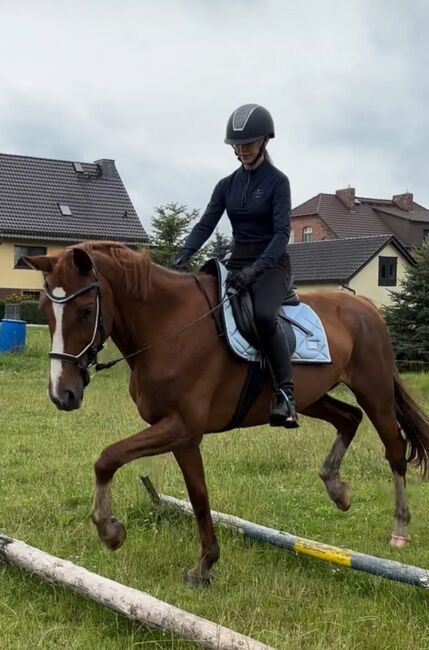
(249,123)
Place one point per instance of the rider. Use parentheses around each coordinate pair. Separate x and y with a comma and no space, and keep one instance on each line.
(257,200)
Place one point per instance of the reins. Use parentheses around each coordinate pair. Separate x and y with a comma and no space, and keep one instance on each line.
(109,364)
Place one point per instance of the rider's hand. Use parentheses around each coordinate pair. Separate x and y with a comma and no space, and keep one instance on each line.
(241,279)
(180,261)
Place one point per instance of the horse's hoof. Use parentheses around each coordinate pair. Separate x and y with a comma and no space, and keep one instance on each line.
(344,500)
(339,493)
(400,541)
(192,580)
(112,533)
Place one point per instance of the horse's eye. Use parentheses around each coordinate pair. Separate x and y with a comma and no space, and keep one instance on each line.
(85,313)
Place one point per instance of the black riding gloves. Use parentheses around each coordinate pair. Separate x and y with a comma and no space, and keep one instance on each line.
(180,261)
(241,279)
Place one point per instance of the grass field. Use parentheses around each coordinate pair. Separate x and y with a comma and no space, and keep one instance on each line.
(284,600)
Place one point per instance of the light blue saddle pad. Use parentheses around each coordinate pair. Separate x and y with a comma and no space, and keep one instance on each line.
(311,341)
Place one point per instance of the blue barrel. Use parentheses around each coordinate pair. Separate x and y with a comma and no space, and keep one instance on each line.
(12,335)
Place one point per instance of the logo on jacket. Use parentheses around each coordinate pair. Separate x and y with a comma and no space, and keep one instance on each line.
(257,193)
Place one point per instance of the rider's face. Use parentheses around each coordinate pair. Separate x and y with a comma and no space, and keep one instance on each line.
(249,151)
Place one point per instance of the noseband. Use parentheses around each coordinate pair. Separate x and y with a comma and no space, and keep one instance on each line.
(92,349)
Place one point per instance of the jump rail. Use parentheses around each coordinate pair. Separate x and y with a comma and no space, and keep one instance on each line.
(135,605)
(389,569)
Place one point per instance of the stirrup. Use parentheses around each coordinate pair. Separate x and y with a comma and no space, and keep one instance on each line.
(283,413)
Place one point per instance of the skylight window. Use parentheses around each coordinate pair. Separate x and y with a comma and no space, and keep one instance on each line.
(78,167)
(65,210)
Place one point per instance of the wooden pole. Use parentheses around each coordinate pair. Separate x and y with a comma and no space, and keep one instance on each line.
(134,604)
(360,561)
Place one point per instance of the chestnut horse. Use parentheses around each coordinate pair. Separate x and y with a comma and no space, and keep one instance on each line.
(185,382)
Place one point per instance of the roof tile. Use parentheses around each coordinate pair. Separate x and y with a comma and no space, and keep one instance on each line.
(366,218)
(32,188)
(337,260)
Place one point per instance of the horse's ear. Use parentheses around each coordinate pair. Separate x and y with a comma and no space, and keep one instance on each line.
(44,263)
(82,261)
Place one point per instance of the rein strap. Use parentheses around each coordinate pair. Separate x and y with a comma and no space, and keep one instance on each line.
(212,310)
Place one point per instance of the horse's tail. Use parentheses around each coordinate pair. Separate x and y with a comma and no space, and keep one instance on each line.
(413,423)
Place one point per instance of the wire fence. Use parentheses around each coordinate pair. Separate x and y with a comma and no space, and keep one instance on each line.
(405,365)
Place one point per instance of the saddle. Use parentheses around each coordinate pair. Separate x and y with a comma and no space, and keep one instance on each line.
(299,322)
(235,322)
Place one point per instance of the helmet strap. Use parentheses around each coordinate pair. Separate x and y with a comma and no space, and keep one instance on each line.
(258,155)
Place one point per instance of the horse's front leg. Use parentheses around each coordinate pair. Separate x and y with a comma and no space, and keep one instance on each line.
(191,464)
(166,435)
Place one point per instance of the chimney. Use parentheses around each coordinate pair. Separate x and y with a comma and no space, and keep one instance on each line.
(107,168)
(404,201)
(347,197)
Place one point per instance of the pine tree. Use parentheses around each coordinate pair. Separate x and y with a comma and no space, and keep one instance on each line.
(170,227)
(219,246)
(408,315)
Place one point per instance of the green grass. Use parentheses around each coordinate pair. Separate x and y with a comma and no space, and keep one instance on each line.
(265,475)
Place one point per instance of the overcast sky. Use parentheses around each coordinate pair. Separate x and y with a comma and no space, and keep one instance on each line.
(152,83)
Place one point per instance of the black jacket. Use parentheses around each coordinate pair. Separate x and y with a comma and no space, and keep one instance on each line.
(258,205)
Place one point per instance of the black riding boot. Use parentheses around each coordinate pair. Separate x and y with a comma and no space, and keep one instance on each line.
(282,412)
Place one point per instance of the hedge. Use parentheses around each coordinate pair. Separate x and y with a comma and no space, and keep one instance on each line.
(30,311)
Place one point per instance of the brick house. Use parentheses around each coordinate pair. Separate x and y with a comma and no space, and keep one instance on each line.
(46,205)
(343,214)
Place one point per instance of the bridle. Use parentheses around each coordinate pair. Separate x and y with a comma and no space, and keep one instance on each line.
(87,357)
(92,349)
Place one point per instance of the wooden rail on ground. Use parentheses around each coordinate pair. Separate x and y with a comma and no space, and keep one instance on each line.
(134,604)
(360,561)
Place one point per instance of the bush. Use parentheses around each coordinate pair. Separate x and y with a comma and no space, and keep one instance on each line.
(17,297)
(31,313)
(29,308)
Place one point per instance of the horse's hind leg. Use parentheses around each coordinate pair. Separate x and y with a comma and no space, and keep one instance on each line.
(379,405)
(346,419)
(191,464)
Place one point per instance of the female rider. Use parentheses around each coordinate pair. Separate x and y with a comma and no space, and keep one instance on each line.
(257,200)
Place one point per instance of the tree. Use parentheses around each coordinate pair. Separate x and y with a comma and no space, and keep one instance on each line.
(408,315)
(219,246)
(170,226)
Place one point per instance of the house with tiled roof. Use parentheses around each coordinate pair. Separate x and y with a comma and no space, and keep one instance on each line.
(48,204)
(371,266)
(343,214)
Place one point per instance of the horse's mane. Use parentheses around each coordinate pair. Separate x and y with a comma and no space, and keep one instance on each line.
(135,265)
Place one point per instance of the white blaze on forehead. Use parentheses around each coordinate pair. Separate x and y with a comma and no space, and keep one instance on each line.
(57,341)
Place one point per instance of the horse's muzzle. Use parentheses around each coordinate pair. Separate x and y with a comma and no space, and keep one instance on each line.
(67,400)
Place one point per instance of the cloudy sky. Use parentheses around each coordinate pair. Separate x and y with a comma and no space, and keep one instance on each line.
(152,83)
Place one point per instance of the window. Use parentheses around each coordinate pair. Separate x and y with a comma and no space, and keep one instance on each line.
(20,251)
(307,234)
(291,237)
(65,210)
(425,234)
(387,271)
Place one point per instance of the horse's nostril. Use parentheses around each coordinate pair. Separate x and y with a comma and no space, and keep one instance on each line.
(69,397)
(67,401)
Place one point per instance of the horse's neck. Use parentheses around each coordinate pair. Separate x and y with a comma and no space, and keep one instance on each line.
(139,322)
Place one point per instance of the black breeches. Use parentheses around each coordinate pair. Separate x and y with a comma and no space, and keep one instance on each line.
(268,293)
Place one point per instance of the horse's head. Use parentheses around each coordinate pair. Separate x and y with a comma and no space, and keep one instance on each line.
(78,322)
